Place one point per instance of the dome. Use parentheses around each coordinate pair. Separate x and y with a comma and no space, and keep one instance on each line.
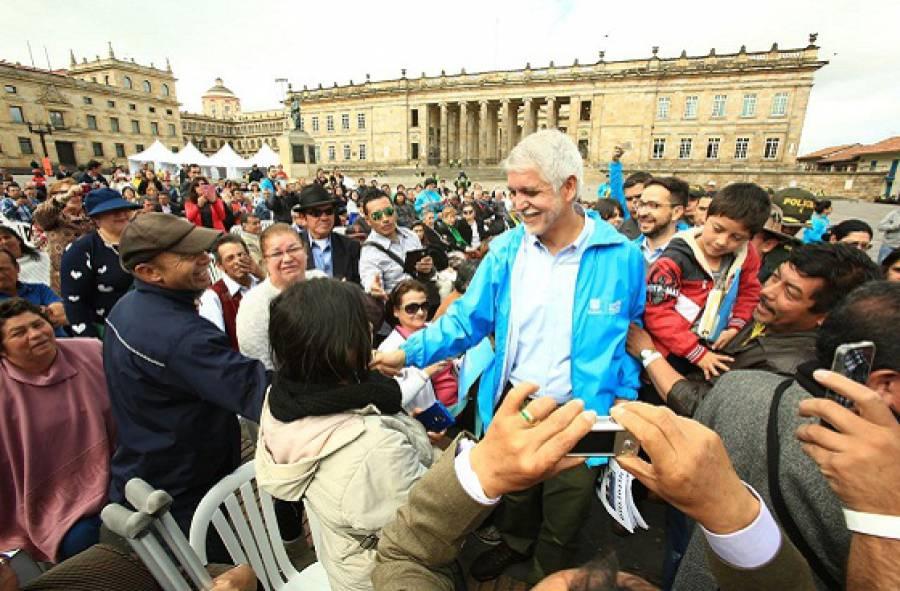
(219,89)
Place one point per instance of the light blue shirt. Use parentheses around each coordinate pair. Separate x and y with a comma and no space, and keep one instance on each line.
(543,297)
(321,251)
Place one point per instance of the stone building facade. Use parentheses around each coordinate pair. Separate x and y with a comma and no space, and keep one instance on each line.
(101,109)
(729,111)
(222,121)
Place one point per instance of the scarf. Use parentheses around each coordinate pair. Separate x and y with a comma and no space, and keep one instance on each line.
(290,400)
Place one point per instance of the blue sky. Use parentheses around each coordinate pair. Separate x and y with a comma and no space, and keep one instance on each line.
(855,98)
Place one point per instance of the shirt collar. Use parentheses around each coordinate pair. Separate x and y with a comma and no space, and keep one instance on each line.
(233,286)
(59,371)
(577,245)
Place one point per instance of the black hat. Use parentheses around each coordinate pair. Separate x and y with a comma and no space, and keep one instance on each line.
(430,181)
(315,195)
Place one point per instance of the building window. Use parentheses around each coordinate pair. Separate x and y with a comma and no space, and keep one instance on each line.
(147,87)
(87,100)
(106,80)
(331,153)
(749,106)
(302,123)
(132,107)
(57,120)
(114,124)
(151,109)
(10,89)
(771,150)
(91,122)
(135,126)
(128,84)
(362,151)
(139,147)
(298,154)
(154,128)
(360,121)
(690,107)
(712,148)
(25,145)
(168,111)
(317,155)
(98,148)
(120,150)
(315,123)
(414,151)
(659,148)
(165,89)
(16,115)
(329,123)
(111,104)
(414,118)
(585,111)
(175,149)
(684,148)
(346,151)
(873,165)
(345,121)
(662,107)
(583,147)
(779,104)
(718,108)
(172,130)
(741,147)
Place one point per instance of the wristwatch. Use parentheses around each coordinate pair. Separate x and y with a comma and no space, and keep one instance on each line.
(648,356)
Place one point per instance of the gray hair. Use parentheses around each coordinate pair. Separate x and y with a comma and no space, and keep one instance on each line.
(552,154)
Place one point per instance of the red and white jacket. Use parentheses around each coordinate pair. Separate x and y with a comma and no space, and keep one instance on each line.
(678,285)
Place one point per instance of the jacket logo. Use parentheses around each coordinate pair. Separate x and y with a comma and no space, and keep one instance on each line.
(662,287)
(597,307)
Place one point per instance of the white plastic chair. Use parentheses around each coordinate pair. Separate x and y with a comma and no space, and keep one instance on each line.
(257,542)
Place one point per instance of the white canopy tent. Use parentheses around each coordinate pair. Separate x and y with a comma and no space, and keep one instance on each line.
(189,154)
(161,157)
(228,159)
(264,157)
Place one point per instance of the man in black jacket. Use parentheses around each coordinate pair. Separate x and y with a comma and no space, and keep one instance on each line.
(92,175)
(335,255)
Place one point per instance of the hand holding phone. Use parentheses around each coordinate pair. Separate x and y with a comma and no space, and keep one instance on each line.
(436,418)
(854,361)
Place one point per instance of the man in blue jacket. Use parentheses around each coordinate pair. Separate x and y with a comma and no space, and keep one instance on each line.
(175,384)
(428,199)
(557,294)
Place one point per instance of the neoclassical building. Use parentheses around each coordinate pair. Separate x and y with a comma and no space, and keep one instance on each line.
(718,111)
(222,121)
(102,109)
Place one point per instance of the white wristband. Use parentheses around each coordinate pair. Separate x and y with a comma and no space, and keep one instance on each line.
(646,361)
(873,524)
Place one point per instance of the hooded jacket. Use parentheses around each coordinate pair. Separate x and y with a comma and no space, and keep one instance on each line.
(678,289)
(353,471)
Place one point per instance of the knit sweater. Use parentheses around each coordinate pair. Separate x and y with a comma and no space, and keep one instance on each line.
(737,408)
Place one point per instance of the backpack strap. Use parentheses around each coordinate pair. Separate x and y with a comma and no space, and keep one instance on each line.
(390,254)
(781,510)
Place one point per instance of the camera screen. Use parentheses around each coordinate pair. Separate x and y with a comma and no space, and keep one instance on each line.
(596,443)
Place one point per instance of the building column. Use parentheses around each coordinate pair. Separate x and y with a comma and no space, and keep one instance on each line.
(483,131)
(424,122)
(452,133)
(463,132)
(444,130)
(509,126)
(529,125)
(491,131)
(574,108)
(552,113)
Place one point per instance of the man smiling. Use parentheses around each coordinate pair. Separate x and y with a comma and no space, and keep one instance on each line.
(335,255)
(556,292)
(792,305)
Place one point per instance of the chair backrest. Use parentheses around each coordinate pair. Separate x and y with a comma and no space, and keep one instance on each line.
(250,536)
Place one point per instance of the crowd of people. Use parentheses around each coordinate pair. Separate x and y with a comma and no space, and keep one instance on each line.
(147,322)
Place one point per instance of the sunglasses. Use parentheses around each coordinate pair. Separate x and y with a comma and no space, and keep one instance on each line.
(386,212)
(415,308)
(318,213)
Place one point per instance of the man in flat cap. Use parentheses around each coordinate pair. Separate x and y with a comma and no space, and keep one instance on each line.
(175,384)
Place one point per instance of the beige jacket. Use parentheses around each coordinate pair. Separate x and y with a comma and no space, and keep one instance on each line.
(352,471)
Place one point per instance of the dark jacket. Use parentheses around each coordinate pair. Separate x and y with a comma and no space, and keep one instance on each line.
(630,228)
(280,206)
(176,388)
(406,214)
(448,237)
(86,178)
(176,209)
(776,353)
(344,256)
(91,281)
(142,186)
(256,175)
(466,230)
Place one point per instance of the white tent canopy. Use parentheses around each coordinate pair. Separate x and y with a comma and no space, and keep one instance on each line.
(158,154)
(189,154)
(265,156)
(228,159)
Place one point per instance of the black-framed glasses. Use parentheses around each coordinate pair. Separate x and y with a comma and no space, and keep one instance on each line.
(652,205)
(386,212)
(318,213)
(415,307)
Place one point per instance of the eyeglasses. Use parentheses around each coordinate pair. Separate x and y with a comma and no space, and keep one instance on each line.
(386,212)
(652,205)
(294,251)
(318,213)
(415,307)
(859,245)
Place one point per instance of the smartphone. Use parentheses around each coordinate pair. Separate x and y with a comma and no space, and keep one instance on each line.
(436,418)
(852,360)
(607,439)
(412,258)
(208,191)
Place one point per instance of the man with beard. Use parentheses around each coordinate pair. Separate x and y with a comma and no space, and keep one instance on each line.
(175,384)
(659,211)
(792,304)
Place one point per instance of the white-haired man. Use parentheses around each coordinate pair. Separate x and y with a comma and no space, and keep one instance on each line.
(557,293)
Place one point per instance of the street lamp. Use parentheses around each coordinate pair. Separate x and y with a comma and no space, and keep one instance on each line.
(41,129)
